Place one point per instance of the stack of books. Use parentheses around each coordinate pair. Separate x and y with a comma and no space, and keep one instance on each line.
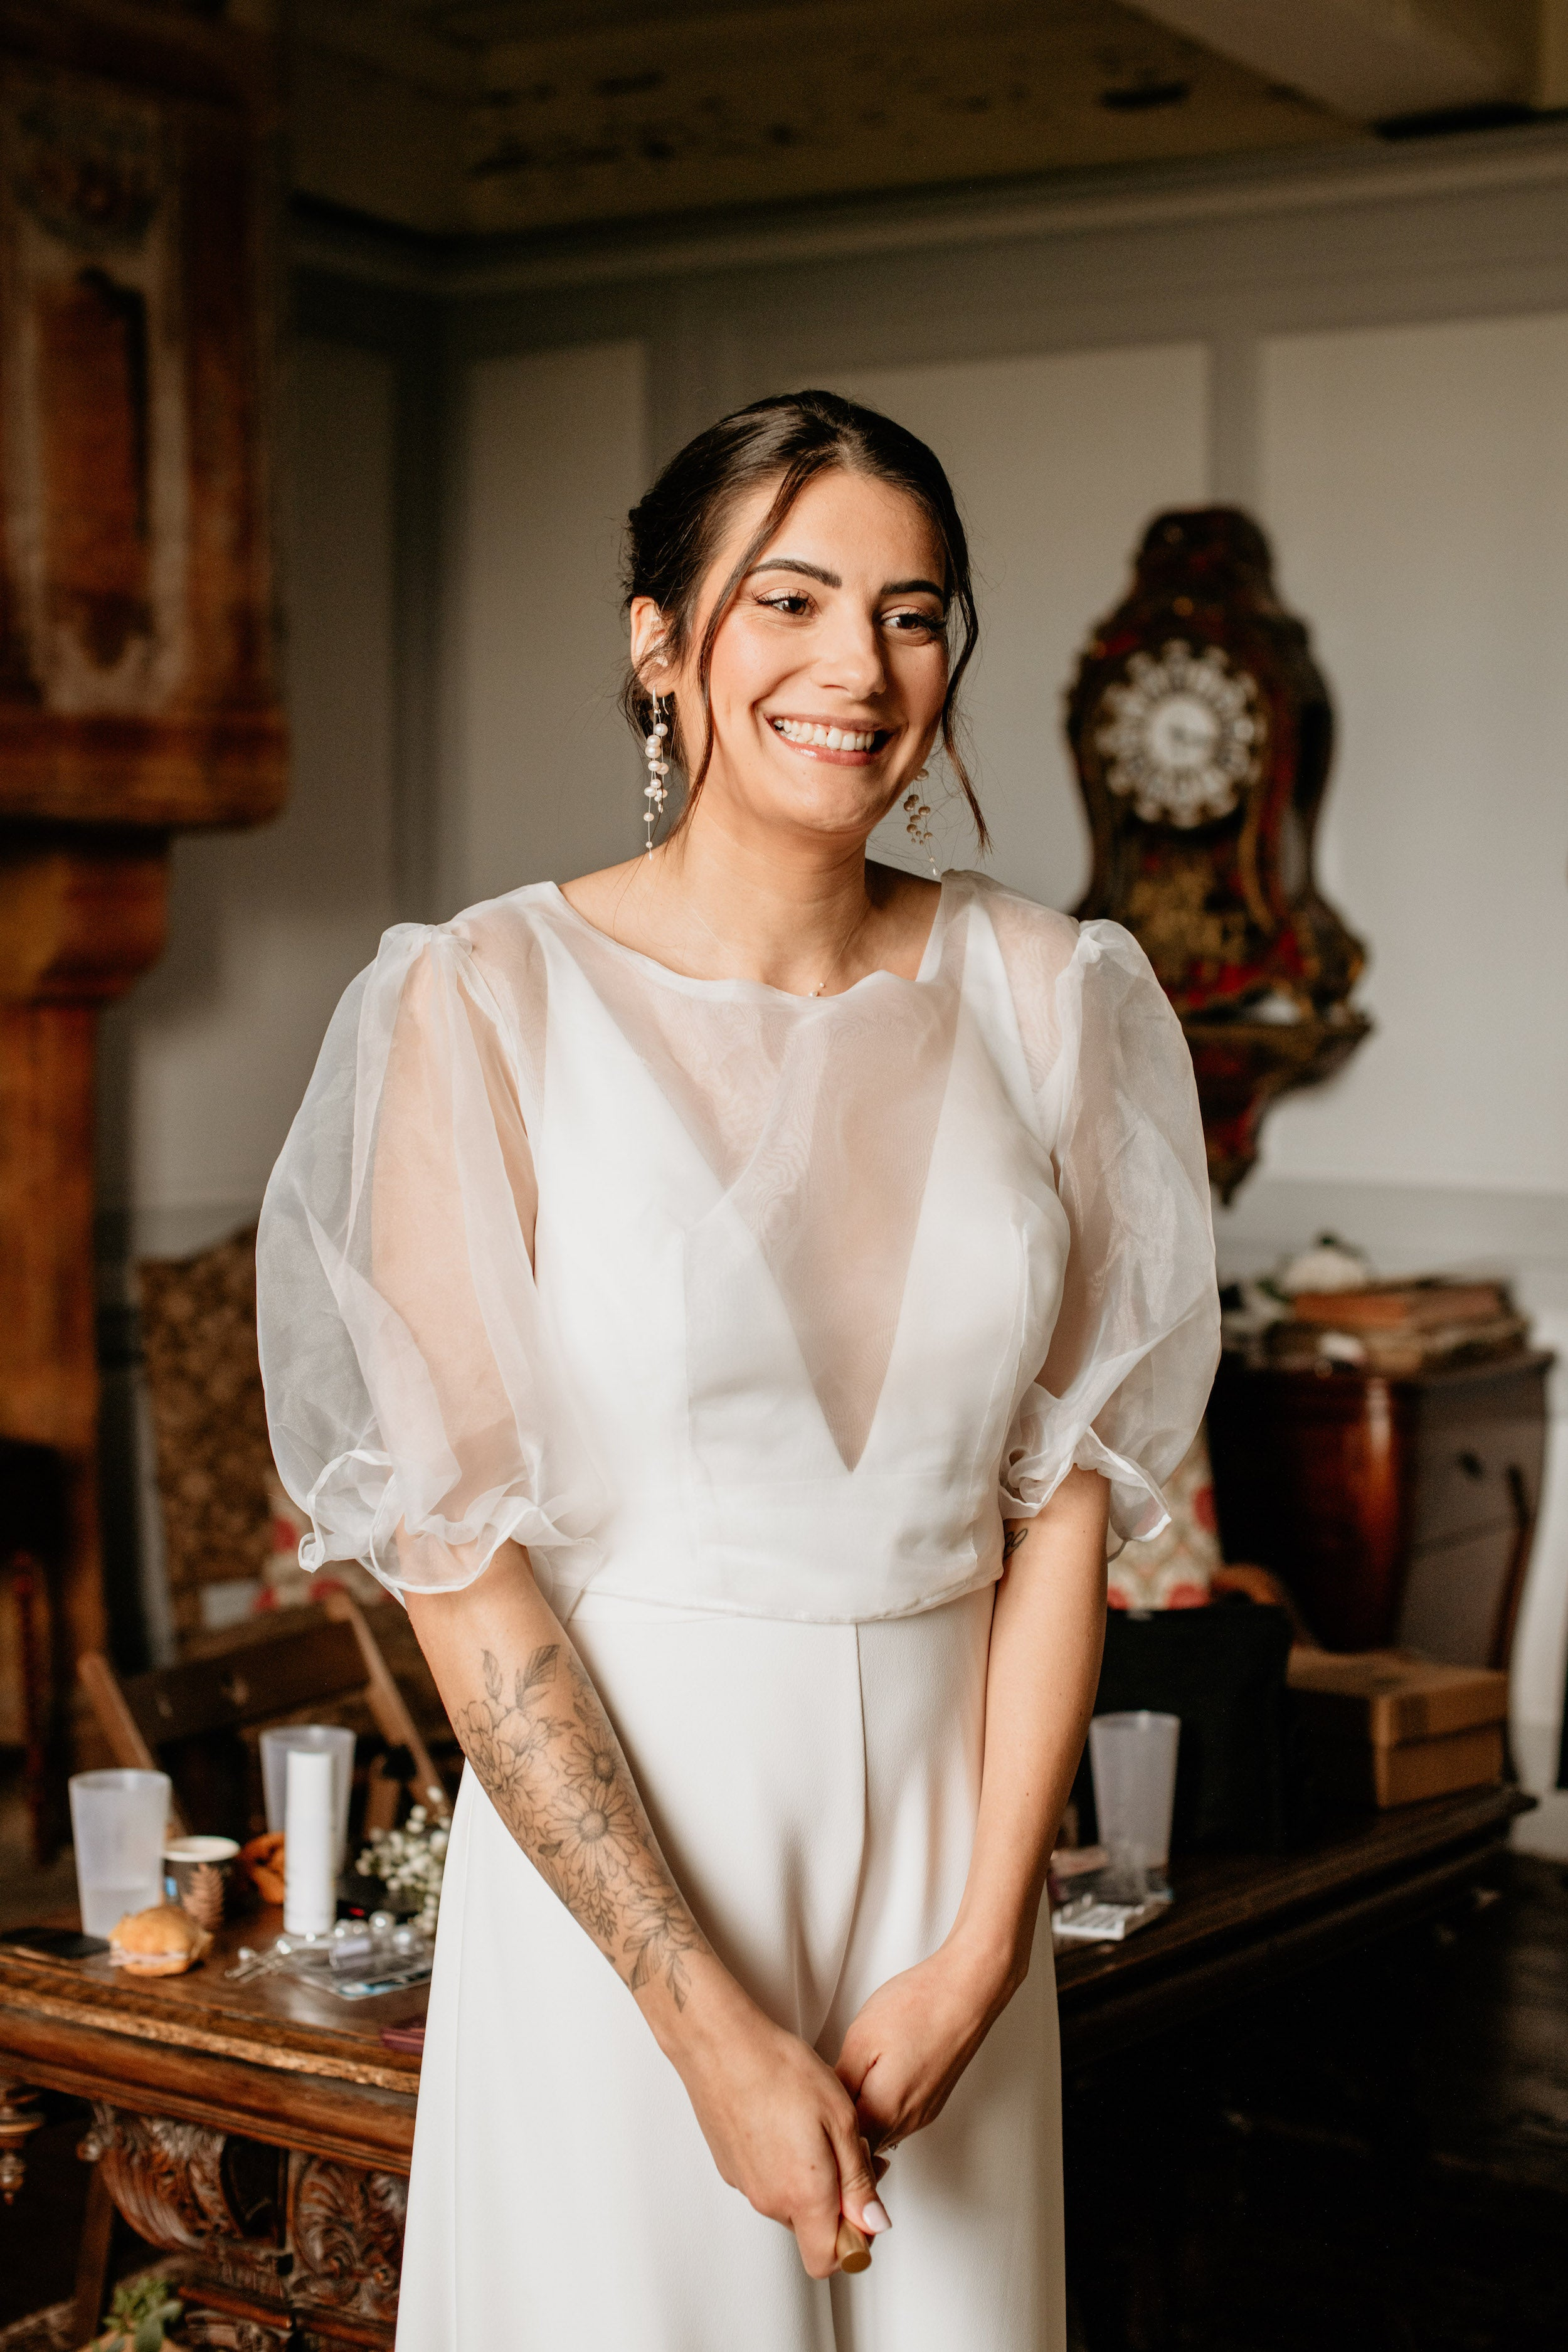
(1397,1327)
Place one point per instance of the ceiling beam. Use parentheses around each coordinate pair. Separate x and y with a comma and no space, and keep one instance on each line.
(1375,61)
(747,102)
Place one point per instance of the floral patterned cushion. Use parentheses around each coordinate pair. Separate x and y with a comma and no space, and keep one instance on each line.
(1175,1570)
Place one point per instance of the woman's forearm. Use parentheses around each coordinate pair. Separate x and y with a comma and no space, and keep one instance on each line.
(1045,1640)
(781,2126)
(534,1730)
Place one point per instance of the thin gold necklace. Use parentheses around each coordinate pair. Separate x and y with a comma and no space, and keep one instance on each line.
(849,941)
(844,947)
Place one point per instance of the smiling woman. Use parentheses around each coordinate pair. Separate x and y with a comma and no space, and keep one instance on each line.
(750,470)
(730,1297)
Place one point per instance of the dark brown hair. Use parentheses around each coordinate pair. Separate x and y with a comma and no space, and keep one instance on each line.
(673,532)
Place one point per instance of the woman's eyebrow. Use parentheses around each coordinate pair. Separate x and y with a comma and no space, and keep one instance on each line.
(832,580)
(791,563)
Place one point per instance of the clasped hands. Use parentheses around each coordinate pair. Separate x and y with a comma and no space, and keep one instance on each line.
(805,2142)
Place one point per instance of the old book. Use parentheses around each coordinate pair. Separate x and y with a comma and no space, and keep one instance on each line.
(1354,1773)
(1295,1346)
(1386,1699)
(1403,1306)
(1436,1343)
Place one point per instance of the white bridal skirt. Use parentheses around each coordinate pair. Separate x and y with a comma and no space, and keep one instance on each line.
(814,1789)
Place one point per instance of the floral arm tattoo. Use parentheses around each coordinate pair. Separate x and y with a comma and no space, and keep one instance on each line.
(1013,1534)
(554,1771)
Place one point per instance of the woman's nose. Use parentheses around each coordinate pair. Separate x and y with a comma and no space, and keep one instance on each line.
(850,658)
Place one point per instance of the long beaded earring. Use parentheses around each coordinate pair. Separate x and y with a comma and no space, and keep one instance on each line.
(655,791)
(917,812)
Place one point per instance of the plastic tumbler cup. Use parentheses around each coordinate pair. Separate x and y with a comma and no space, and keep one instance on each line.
(336,1742)
(1133,1759)
(119,1822)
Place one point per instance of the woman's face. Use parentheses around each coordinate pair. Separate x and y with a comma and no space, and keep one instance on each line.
(829,669)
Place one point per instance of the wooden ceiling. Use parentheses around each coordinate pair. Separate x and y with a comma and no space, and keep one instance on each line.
(478,117)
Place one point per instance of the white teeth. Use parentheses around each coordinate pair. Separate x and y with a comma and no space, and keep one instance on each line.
(829,738)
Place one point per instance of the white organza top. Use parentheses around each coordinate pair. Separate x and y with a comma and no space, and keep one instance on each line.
(725,1298)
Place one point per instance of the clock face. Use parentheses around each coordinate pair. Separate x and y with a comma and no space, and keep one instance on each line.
(1182,735)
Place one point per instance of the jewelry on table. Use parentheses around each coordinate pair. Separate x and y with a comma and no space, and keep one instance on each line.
(251,1963)
(655,791)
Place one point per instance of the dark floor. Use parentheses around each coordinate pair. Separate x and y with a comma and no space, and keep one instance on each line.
(1375,2159)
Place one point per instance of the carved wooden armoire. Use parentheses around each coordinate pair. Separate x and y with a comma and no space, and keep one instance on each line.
(138,690)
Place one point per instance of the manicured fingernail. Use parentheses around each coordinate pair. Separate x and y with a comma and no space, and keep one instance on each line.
(874,2216)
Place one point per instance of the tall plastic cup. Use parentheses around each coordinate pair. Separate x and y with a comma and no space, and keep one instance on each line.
(119,1822)
(329,1737)
(1133,1761)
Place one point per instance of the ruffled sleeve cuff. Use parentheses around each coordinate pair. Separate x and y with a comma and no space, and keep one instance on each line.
(358,1511)
(1043,1447)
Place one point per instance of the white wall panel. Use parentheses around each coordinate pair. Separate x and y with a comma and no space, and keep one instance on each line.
(545,780)
(1057,461)
(204,1064)
(1416,481)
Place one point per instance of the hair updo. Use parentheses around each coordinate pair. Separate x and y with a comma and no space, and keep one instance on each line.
(673,533)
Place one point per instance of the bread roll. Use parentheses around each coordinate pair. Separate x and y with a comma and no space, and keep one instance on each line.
(163,1942)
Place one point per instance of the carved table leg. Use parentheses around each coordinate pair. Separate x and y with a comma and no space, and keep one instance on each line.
(346,2233)
(317,2266)
(217,2202)
(92,2258)
(17,2123)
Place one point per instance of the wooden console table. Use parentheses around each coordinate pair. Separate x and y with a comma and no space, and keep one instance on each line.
(262,2132)
(1242,1922)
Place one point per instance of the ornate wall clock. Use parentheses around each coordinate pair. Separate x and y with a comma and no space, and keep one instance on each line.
(1202,731)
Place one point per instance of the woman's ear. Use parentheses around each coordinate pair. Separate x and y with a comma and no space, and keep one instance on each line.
(649,634)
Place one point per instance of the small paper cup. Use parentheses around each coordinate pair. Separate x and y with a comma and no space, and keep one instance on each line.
(200,1868)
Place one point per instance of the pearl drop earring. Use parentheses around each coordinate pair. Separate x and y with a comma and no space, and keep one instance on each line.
(655,791)
(917,816)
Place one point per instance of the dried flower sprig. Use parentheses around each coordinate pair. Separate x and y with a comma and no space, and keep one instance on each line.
(410,1861)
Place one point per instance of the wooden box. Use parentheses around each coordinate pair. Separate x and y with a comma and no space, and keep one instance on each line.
(1386,1728)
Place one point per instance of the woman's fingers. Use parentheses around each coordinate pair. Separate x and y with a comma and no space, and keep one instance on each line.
(856,2179)
(880,2100)
(857,2057)
(817,2215)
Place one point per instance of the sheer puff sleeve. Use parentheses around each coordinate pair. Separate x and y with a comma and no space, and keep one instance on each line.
(405,1349)
(1136,1340)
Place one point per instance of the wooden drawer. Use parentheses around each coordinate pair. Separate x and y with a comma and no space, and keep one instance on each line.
(1473,1453)
(1455,1594)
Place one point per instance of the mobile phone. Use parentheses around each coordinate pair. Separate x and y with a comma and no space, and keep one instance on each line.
(54,1943)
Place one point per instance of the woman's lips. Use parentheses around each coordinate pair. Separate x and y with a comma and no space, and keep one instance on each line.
(852,747)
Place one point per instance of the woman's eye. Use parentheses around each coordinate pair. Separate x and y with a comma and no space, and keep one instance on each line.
(792,601)
(914,623)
